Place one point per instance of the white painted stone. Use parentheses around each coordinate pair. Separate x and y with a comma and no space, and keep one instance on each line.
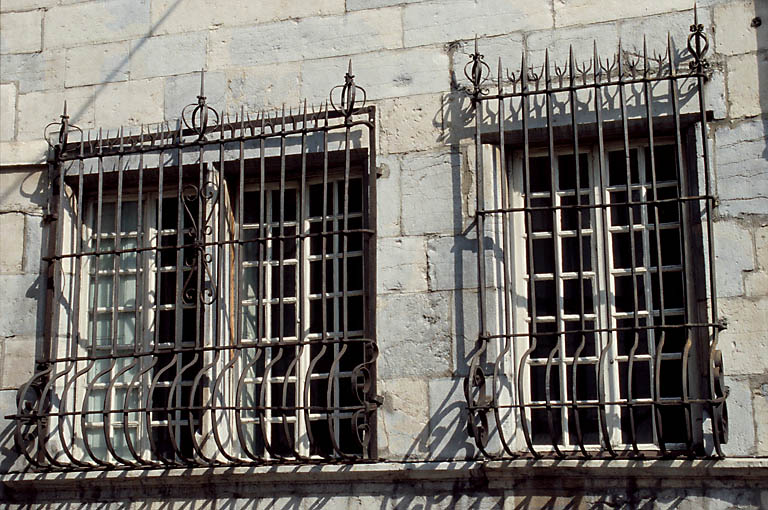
(93,22)
(25,5)
(559,42)
(654,29)
(761,245)
(388,197)
(443,22)
(21,32)
(741,431)
(452,262)
(401,265)
(305,39)
(23,153)
(744,343)
(746,73)
(756,283)
(172,16)
(269,86)
(410,123)
(734,31)
(145,98)
(183,90)
(18,361)
(734,253)
(403,418)
(33,243)
(740,132)
(448,438)
(23,189)
(21,306)
(12,250)
(431,193)
(100,63)
(355,5)
(38,109)
(34,71)
(168,55)
(7,111)
(582,12)
(383,74)
(760,406)
(417,340)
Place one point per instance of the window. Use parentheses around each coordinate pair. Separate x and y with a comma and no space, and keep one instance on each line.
(598,323)
(606,290)
(212,298)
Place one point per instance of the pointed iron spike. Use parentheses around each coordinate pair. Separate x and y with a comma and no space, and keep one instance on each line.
(349,68)
(65,109)
(500,75)
(695,14)
(546,64)
(477,52)
(305,109)
(202,82)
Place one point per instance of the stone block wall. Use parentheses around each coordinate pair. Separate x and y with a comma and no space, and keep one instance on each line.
(136,61)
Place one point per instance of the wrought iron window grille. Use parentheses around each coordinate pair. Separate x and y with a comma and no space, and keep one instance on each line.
(597,299)
(210,292)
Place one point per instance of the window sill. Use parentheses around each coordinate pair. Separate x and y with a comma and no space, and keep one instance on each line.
(496,474)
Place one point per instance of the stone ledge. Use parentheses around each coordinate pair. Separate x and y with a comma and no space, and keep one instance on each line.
(519,472)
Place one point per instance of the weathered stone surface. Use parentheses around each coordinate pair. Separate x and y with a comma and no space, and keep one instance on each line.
(742,174)
(18,361)
(756,283)
(431,192)
(388,199)
(734,254)
(452,262)
(268,86)
(403,418)
(93,22)
(582,12)
(654,29)
(33,243)
(410,123)
(21,308)
(34,71)
(746,74)
(99,63)
(761,245)
(383,74)
(735,34)
(168,16)
(448,438)
(305,39)
(401,265)
(744,343)
(23,153)
(159,56)
(23,189)
(7,111)
(37,109)
(182,90)
(12,250)
(145,98)
(443,22)
(21,32)
(559,42)
(25,5)
(416,341)
(741,432)
(9,457)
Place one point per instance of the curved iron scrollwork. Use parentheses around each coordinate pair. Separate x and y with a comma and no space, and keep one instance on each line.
(348,103)
(477,72)
(197,119)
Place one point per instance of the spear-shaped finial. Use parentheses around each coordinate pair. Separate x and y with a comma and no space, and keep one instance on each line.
(201,97)
(64,115)
(349,69)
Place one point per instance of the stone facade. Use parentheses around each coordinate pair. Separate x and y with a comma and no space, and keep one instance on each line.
(130,62)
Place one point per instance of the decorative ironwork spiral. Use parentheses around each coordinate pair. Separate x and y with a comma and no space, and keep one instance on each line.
(698,45)
(477,72)
(198,120)
(64,129)
(347,104)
